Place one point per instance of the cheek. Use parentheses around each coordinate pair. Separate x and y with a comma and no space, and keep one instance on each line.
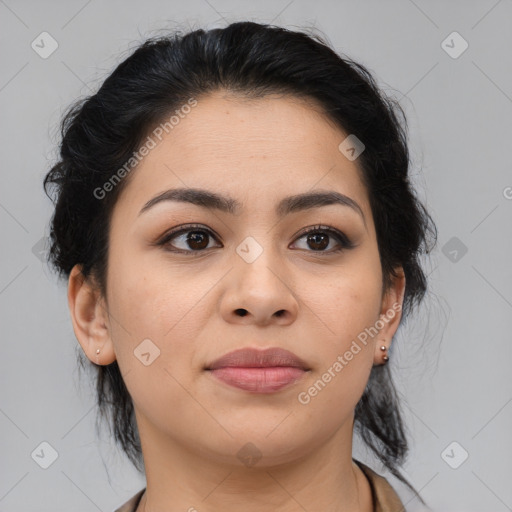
(345,312)
(137,289)
(346,303)
(147,301)
(346,353)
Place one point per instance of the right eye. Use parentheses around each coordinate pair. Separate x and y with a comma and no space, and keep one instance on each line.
(193,239)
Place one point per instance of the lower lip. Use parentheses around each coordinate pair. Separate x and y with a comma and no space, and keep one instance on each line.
(259,380)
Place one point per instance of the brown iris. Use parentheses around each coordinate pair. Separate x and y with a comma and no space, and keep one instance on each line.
(319,241)
(197,237)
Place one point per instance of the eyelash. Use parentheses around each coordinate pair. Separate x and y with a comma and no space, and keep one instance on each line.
(342,239)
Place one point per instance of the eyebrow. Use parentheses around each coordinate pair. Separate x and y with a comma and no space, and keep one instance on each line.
(291,204)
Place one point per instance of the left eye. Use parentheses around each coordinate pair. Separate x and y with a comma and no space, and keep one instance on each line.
(320,238)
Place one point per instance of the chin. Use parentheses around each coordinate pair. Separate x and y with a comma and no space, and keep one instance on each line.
(262,449)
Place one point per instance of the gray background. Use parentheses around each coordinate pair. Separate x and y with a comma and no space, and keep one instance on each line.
(451,361)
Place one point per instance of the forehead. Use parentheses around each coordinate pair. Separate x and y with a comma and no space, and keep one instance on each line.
(229,125)
(271,146)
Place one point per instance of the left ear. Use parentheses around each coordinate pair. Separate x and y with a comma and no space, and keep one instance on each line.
(390,315)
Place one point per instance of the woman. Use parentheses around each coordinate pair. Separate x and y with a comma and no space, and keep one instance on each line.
(241,242)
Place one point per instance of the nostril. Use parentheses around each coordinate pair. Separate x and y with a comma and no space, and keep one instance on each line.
(241,312)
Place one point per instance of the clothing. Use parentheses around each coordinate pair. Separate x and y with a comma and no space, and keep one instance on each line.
(384,497)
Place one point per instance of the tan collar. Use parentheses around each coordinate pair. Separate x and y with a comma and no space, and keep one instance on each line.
(384,496)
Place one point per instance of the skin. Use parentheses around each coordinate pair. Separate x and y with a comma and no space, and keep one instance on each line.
(191,425)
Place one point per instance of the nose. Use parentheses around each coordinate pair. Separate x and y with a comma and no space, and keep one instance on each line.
(259,293)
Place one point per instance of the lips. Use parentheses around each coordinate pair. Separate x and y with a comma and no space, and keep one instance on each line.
(259,371)
(254,358)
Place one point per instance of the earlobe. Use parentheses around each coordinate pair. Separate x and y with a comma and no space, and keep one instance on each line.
(89,318)
(390,315)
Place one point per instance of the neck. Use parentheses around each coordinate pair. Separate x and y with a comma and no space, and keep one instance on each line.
(179,478)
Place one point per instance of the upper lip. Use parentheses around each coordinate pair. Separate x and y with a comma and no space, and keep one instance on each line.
(258,358)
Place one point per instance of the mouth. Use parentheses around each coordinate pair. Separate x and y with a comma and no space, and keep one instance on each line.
(259,371)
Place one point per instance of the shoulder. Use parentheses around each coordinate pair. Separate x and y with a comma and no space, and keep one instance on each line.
(132,503)
(384,496)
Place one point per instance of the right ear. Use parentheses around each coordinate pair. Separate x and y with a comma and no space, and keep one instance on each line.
(90,318)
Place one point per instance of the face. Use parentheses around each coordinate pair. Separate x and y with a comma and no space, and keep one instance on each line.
(188,284)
